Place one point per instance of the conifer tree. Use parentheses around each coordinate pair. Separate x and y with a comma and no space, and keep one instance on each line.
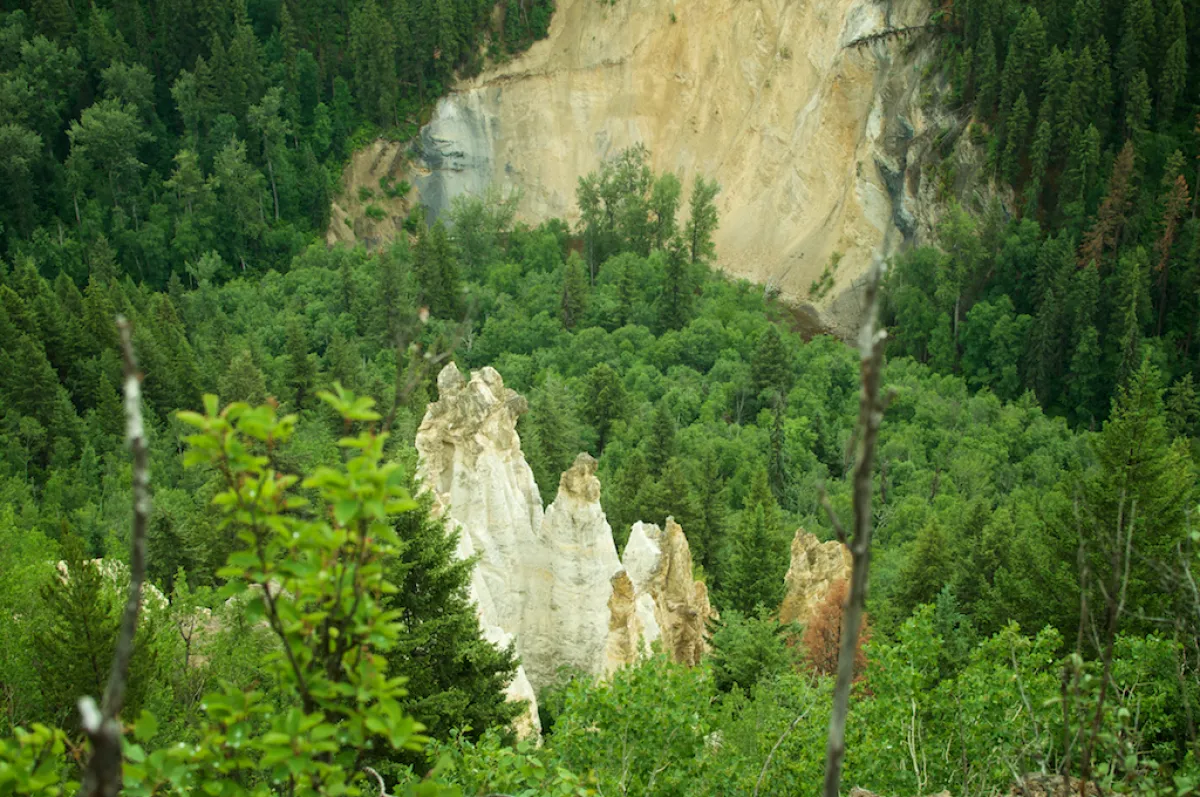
(660,445)
(987,76)
(456,678)
(75,636)
(436,271)
(702,220)
(554,436)
(301,370)
(770,367)
(574,292)
(604,402)
(1137,491)
(243,381)
(1016,133)
(754,576)
(676,300)
(1172,78)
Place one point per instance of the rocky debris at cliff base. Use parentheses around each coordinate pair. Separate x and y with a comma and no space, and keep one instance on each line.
(815,567)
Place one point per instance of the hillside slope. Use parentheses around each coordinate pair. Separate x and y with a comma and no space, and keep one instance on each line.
(763,95)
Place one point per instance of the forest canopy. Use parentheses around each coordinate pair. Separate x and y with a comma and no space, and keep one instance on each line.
(306,624)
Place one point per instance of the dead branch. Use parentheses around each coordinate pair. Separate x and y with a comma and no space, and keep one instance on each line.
(767,764)
(102,776)
(870,415)
(890,33)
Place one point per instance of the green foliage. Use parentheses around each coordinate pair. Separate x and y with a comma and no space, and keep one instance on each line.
(748,650)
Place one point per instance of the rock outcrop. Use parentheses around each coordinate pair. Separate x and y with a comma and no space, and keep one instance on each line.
(814,568)
(671,604)
(808,137)
(550,582)
(471,460)
(568,578)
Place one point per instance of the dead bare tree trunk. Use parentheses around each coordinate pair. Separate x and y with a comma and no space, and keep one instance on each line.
(870,415)
(102,776)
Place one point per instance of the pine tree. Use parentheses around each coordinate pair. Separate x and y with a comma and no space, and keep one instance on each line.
(1110,220)
(243,381)
(711,508)
(660,445)
(770,367)
(1022,64)
(436,270)
(620,497)
(1137,104)
(301,370)
(456,678)
(574,293)
(1139,484)
(605,402)
(927,568)
(669,496)
(702,220)
(1079,178)
(676,299)
(1016,134)
(1172,78)
(343,362)
(1182,405)
(753,577)
(1175,204)
(1084,378)
(987,77)
(553,434)
(75,636)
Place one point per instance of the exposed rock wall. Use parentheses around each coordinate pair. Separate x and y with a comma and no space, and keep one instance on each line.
(551,582)
(814,568)
(568,578)
(807,137)
(471,460)
(659,564)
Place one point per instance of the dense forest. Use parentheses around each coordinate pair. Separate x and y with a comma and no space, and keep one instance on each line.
(1088,110)
(1033,603)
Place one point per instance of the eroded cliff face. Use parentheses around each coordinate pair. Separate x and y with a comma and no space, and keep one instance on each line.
(568,577)
(808,138)
(814,568)
(671,604)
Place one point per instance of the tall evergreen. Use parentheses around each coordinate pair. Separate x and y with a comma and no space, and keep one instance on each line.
(456,678)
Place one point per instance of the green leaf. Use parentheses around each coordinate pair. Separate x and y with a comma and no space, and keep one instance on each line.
(145,727)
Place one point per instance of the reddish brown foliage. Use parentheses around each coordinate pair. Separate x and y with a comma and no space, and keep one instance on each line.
(1106,232)
(822,638)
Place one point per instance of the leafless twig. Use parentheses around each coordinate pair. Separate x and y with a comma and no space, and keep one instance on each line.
(870,415)
(102,777)
(383,792)
(766,764)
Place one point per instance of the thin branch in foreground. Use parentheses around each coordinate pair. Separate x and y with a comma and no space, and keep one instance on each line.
(767,764)
(870,415)
(102,776)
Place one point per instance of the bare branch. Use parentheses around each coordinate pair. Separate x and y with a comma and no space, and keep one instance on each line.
(823,497)
(766,764)
(102,777)
(870,416)
(383,792)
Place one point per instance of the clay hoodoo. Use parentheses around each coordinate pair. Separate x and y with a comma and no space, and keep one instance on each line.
(814,568)
(551,581)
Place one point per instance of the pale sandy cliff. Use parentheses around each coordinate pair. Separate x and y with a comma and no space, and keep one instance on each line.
(808,138)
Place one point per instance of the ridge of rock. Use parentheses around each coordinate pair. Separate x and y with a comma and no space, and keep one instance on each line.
(815,566)
(659,563)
